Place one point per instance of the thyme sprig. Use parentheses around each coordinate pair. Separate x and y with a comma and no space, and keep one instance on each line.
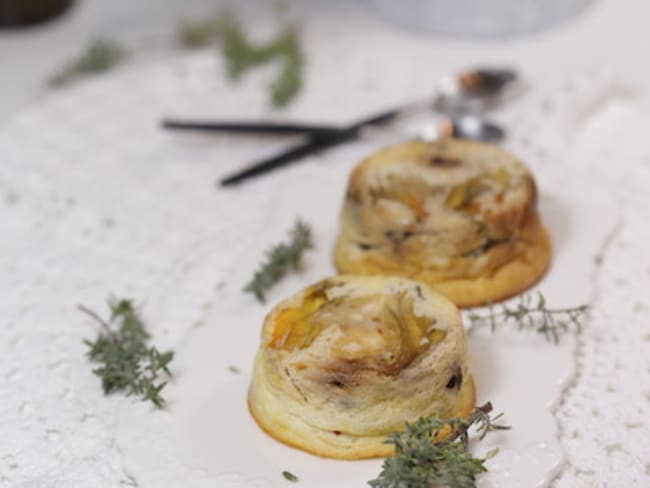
(128,363)
(422,462)
(280,259)
(530,313)
(241,54)
(100,55)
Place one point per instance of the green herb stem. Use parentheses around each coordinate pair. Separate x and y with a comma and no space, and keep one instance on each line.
(127,362)
(241,54)
(100,55)
(280,260)
(531,314)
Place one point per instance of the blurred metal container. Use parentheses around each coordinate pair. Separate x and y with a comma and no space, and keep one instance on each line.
(479,18)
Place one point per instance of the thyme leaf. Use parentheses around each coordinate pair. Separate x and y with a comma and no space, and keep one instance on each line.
(280,259)
(127,362)
(530,312)
(422,462)
(100,55)
(290,476)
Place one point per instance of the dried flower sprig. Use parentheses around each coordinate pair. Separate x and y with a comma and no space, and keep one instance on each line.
(100,55)
(530,313)
(128,364)
(281,259)
(422,462)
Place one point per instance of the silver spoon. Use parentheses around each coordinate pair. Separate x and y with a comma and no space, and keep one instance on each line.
(469,126)
(476,90)
(472,91)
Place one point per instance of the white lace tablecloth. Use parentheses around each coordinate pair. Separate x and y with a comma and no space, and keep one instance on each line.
(95,199)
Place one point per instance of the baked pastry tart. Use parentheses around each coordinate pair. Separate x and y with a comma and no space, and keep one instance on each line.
(458,215)
(347,361)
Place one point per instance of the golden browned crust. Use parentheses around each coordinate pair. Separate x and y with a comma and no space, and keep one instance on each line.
(319,443)
(463,218)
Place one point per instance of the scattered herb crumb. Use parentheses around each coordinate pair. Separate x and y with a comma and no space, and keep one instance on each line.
(281,259)
(290,476)
(234,369)
(99,56)
(530,313)
(127,362)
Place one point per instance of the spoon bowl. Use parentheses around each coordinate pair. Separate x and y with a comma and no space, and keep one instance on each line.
(468,126)
(475,90)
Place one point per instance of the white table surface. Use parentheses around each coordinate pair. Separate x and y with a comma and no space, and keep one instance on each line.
(611,34)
